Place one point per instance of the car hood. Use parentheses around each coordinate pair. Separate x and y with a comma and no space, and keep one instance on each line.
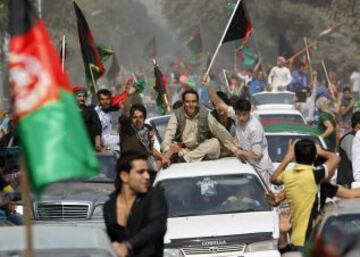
(78,191)
(222,225)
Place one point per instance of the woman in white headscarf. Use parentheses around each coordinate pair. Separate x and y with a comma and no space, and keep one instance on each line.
(327,123)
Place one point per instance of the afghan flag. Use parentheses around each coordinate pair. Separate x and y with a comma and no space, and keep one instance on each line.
(240,26)
(89,50)
(48,122)
(160,88)
(150,49)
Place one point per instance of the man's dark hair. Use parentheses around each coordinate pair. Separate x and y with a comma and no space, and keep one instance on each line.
(177,105)
(189,91)
(242,105)
(347,88)
(305,152)
(355,119)
(223,97)
(124,164)
(138,107)
(103,91)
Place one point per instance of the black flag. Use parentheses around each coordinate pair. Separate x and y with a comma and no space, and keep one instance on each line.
(240,26)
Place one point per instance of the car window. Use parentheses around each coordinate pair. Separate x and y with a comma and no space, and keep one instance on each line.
(107,172)
(279,98)
(278,144)
(208,195)
(160,125)
(339,231)
(269,119)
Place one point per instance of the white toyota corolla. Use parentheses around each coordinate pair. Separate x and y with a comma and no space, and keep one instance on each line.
(217,208)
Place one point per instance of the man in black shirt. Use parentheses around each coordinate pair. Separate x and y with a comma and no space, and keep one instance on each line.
(91,118)
(135,215)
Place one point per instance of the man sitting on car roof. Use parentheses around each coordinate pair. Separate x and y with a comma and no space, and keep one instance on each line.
(190,131)
(252,143)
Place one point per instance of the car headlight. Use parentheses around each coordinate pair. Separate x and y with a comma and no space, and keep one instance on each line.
(98,212)
(261,246)
(173,253)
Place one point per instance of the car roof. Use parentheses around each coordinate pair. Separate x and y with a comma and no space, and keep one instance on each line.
(228,165)
(342,207)
(273,110)
(54,237)
(274,93)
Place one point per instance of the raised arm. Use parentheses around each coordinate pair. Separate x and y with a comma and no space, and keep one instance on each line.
(331,161)
(213,96)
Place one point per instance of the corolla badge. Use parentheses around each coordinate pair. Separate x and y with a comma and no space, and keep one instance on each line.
(213,243)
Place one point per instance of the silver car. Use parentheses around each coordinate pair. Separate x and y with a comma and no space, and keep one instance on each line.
(78,202)
(56,241)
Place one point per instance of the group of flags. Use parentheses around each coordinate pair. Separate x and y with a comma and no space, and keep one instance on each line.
(53,136)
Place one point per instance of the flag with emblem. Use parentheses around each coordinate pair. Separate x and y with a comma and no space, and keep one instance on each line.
(52,134)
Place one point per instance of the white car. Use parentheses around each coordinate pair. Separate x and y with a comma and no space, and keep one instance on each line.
(285,99)
(273,114)
(217,208)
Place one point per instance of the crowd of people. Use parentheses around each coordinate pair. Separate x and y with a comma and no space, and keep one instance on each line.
(135,215)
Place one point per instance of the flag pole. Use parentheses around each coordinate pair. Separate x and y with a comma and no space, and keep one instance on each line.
(93,79)
(63,47)
(308,56)
(328,79)
(25,196)
(222,39)
(226,81)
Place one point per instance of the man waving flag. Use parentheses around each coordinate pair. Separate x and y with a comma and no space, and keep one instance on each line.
(52,134)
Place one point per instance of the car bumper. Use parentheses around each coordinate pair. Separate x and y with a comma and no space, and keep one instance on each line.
(80,223)
(272,253)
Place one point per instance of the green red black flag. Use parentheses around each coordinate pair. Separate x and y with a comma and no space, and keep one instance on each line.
(240,26)
(89,50)
(51,131)
(160,88)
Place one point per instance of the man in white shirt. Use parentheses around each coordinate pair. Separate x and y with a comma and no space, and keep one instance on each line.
(252,144)
(280,76)
(356,157)
(355,79)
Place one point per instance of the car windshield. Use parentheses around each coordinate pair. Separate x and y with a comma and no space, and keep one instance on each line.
(60,253)
(278,144)
(339,231)
(160,125)
(269,119)
(278,98)
(209,195)
(107,172)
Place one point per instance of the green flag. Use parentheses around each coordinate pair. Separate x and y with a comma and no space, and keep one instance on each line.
(52,134)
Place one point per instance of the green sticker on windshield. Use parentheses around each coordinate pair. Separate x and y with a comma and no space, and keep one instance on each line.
(207,186)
